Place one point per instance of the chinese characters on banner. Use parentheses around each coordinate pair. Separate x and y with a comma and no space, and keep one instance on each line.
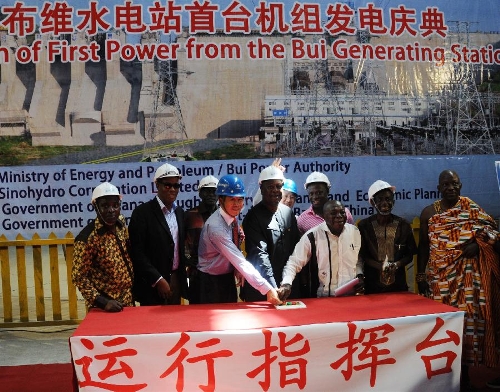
(423,351)
(60,17)
(59,20)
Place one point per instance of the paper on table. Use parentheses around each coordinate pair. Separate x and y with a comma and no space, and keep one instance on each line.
(290,305)
(346,288)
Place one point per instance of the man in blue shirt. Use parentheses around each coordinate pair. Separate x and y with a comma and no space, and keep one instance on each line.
(220,259)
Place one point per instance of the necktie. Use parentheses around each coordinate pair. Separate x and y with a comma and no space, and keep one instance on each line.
(236,233)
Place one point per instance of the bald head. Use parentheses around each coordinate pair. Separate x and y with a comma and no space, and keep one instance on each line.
(449,186)
(448,173)
(332,203)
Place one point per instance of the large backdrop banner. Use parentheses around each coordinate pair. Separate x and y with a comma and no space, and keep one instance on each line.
(45,199)
(348,78)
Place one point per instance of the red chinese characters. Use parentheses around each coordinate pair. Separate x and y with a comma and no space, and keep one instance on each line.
(370,355)
(271,18)
(57,18)
(237,18)
(306,18)
(183,354)
(92,19)
(113,363)
(447,355)
(433,22)
(129,18)
(340,19)
(292,370)
(201,17)
(19,19)
(166,19)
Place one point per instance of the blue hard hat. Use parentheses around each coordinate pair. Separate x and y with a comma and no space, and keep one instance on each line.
(290,186)
(230,185)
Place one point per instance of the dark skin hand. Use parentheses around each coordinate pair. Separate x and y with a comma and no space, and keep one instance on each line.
(284,291)
(359,289)
(163,289)
(113,306)
(470,250)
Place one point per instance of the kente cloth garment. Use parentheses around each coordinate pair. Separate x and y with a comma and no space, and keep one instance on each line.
(469,284)
(102,265)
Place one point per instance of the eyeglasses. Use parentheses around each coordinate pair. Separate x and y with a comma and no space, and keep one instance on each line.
(169,185)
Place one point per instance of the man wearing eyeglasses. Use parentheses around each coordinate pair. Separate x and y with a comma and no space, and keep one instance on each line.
(102,269)
(157,239)
(271,234)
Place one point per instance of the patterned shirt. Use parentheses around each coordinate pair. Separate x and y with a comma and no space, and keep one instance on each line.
(102,265)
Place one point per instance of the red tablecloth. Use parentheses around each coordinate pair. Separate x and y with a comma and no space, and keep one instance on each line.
(139,347)
(239,316)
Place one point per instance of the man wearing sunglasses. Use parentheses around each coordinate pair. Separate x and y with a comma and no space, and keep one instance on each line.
(157,237)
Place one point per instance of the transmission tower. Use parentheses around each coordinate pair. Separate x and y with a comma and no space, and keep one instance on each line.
(472,130)
(165,121)
(367,90)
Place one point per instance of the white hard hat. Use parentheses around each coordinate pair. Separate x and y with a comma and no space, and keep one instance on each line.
(208,182)
(378,186)
(167,170)
(105,189)
(271,173)
(317,177)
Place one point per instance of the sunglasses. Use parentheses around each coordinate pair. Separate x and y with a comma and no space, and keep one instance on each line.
(169,185)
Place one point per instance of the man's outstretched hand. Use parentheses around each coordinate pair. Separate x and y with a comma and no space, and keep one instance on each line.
(284,291)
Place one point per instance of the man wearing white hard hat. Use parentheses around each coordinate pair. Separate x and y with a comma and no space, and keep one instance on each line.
(271,233)
(318,187)
(157,237)
(102,268)
(194,220)
(387,243)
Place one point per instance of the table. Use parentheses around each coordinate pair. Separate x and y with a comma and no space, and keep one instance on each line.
(382,342)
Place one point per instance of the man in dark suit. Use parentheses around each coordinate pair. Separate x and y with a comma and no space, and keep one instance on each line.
(156,233)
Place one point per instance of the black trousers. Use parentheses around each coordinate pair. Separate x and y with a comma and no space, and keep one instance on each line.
(217,288)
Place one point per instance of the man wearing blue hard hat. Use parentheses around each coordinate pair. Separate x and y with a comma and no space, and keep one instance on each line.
(289,193)
(221,263)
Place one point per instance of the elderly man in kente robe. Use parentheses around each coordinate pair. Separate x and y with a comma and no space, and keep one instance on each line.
(457,267)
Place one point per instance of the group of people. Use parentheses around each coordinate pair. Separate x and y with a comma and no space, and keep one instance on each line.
(204,254)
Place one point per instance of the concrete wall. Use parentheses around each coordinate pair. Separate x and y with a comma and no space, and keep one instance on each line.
(115,102)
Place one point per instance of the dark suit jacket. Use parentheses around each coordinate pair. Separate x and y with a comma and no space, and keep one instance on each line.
(152,250)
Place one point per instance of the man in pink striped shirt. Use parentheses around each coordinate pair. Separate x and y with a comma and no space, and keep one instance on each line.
(317,186)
